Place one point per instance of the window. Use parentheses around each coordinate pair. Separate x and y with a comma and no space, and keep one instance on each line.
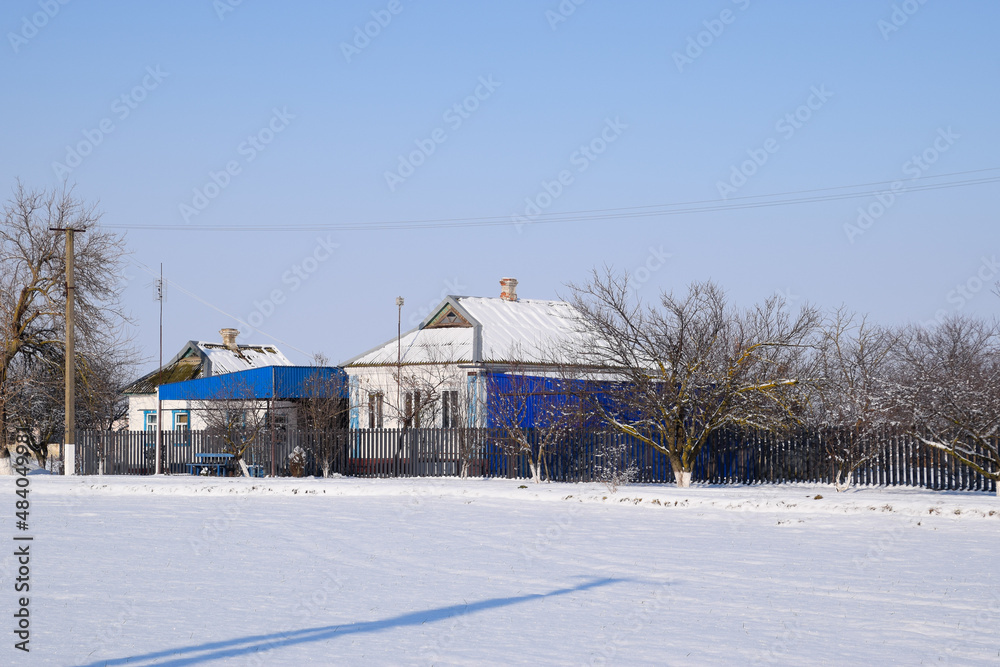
(149,425)
(182,420)
(233,419)
(182,423)
(375,400)
(412,409)
(449,409)
(280,422)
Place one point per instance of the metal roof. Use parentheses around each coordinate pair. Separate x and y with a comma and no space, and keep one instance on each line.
(198,359)
(277,382)
(528,330)
(227,360)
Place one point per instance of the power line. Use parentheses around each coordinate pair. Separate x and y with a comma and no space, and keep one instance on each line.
(205,302)
(586,215)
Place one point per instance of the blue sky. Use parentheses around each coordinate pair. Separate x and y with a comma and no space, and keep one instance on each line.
(309,129)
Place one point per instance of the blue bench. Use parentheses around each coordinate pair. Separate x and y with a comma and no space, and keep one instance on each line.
(217,464)
(207,462)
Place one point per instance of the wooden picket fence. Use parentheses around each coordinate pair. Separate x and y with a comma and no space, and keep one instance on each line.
(583,456)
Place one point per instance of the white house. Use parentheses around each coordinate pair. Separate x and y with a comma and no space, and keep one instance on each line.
(434,375)
(197,359)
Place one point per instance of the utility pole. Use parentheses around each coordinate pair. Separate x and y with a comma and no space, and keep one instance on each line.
(69,435)
(399,353)
(159,403)
(270,422)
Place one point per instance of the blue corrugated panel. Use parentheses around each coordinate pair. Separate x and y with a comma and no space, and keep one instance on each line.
(305,381)
(530,400)
(279,382)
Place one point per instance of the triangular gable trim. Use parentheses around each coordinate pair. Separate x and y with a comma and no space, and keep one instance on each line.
(448,317)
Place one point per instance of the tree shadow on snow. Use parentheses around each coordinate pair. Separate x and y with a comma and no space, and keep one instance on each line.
(259,643)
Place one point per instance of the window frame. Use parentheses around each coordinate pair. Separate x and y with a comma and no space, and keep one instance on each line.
(376,404)
(186,430)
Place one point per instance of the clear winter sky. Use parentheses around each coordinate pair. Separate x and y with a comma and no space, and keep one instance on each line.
(682,128)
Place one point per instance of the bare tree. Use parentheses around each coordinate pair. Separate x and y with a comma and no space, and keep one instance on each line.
(450,404)
(101,376)
(429,397)
(691,365)
(35,402)
(853,401)
(35,394)
(325,411)
(32,294)
(534,413)
(236,417)
(949,386)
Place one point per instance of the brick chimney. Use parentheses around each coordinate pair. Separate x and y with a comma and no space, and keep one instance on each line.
(229,337)
(508,289)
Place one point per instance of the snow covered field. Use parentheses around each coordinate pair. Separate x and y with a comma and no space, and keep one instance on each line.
(188,571)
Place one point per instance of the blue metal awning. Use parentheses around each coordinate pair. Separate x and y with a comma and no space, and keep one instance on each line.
(277,382)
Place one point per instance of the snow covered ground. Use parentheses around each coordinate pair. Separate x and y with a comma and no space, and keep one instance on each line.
(192,571)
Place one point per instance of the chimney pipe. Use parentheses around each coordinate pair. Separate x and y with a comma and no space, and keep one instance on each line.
(229,337)
(508,289)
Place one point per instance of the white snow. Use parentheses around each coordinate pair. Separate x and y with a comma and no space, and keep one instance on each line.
(225,360)
(532,329)
(192,571)
(423,346)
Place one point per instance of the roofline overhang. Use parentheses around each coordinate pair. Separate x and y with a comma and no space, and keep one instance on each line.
(451,300)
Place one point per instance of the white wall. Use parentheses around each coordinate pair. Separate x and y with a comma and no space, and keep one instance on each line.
(429,380)
(138,405)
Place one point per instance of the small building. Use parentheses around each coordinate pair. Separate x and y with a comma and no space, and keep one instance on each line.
(275,392)
(437,375)
(196,360)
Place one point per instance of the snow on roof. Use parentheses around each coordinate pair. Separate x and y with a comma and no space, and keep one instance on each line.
(527,331)
(198,359)
(225,360)
(531,329)
(422,346)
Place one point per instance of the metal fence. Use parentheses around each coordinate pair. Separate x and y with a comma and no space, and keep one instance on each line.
(727,458)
